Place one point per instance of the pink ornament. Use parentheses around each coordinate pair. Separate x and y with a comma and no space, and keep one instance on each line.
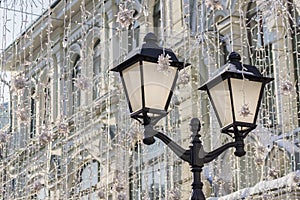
(287,87)
(19,82)
(45,136)
(125,16)
(23,115)
(63,128)
(82,83)
(214,4)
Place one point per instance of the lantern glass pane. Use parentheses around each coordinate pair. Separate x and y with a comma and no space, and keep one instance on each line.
(245,95)
(220,97)
(157,85)
(132,79)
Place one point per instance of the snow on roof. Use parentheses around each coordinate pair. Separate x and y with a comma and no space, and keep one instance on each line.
(290,181)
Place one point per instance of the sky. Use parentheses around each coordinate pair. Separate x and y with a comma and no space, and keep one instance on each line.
(15,17)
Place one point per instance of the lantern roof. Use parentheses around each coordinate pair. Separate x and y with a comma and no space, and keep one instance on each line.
(150,52)
(234,68)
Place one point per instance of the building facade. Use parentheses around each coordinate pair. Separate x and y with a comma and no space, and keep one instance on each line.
(70,134)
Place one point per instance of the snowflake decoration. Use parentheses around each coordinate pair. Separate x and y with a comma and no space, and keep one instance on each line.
(45,136)
(259,161)
(287,87)
(261,149)
(3,138)
(273,173)
(82,82)
(63,128)
(101,193)
(37,185)
(219,181)
(134,132)
(125,16)
(184,78)
(245,111)
(23,115)
(19,82)
(164,63)
(296,177)
(175,194)
(214,4)
(119,184)
(122,196)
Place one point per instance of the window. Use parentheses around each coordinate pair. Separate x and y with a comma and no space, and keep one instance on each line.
(89,176)
(32,129)
(96,70)
(261,54)
(55,166)
(135,177)
(157,17)
(76,72)
(133,36)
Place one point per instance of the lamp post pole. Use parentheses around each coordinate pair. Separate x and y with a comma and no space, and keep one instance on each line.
(197,163)
(195,155)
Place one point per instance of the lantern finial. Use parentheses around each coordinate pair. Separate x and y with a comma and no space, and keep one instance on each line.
(234,56)
(150,41)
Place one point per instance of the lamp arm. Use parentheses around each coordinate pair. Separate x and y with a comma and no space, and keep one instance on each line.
(177,149)
(215,153)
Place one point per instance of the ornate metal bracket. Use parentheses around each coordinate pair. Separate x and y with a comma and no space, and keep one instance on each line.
(195,155)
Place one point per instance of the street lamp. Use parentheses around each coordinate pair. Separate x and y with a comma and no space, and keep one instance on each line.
(235,94)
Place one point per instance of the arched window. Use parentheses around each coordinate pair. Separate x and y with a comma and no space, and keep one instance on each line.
(135,178)
(32,130)
(133,35)
(76,72)
(89,176)
(96,70)
(262,57)
(157,17)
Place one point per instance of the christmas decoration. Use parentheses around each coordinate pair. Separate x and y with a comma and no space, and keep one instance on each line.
(125,16)
(37,185)
(23,115)
(245,111)
(3,138)
(273,173)
(63,127)
(287,87)
(135,133)
(45,136)
(82,82)
(164,63)
(122,196)
(175,194)
(259,161)
(101,193)
(19,82)
(214,4)
(184,77)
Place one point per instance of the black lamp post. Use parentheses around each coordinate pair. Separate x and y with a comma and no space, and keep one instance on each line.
(235,94)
